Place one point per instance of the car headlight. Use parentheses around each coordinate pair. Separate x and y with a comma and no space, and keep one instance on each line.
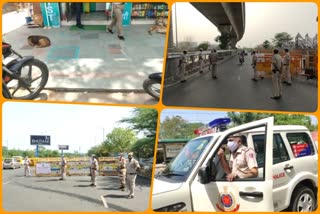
(172,208)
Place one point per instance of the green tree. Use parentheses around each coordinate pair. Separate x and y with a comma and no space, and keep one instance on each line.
(119,140)
(223,40)
(266,44)
(177,127)
(239,118)
(281,38)
(4,151)
(143,121)
(203,45)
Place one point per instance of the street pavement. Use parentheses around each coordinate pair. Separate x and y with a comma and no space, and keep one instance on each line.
(234,89)
(91,59)
(21,193)
(98,97)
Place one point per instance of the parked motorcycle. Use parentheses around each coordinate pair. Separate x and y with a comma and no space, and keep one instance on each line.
(23,77)
(152,85)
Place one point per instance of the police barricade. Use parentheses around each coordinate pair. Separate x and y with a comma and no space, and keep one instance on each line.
(108,166)
(75,166)
(264,63)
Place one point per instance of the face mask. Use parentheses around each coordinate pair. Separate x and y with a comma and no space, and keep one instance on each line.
(232,146)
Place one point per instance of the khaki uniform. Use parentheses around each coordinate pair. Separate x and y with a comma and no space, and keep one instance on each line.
(254,66)
(94,168)
(213,62)
(122,172)
(182,65)
(63,169)
(243,160)
(27,167)
(117,18)
(286,64)
(201,61)
(131,167)
(276,69)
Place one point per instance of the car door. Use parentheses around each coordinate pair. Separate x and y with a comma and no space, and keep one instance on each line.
(250,194)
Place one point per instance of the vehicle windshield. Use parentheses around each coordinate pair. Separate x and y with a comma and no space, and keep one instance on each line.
(8,160)
(182,165)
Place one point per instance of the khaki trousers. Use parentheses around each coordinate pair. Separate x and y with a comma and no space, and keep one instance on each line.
(276,84)
(131,183)
(117,21)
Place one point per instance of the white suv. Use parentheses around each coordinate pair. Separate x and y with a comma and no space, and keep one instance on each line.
(287,179)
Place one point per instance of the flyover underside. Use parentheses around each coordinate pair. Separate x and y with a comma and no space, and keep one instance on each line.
(227,17)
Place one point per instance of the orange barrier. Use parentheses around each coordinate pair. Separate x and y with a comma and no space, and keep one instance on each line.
(264,63)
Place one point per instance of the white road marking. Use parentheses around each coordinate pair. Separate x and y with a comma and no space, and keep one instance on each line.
(238,77)
(104,201)
(8,182)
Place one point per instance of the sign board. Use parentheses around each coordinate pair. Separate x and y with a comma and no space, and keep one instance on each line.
(63,147)
(40,140)
(126,14)
(173,150)
(43,168)
(50,14)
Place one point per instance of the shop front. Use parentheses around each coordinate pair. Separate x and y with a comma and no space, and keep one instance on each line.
(99,13)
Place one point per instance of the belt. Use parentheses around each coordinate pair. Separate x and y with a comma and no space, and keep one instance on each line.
(132,173)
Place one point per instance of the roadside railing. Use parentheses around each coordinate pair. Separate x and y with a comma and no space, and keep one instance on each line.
(192,66)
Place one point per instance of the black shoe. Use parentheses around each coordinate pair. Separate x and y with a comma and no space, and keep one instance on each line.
(80,26)
(284,82)
(121,37)
(288,83)
(182,81)
(262,78)
(215,77)
(201,72)
(276,97)
(110,31)
(254,79)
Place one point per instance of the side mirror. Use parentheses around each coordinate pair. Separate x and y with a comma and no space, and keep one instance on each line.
(204,175)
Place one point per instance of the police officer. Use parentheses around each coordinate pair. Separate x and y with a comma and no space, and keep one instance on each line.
(27,166)
(201,58)
(213,63)
(78,15)
(63,167)
(276,68)
(94,167)
(122,172)
(254,66)
(182,66)
(286,64)
(132,166)
(242,163)
(117,19)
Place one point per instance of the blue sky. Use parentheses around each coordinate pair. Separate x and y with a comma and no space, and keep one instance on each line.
(79,126)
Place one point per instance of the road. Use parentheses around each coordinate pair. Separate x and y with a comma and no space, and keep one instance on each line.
(21,193)
(234,89)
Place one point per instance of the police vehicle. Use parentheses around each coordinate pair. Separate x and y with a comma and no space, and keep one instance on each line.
(287,177)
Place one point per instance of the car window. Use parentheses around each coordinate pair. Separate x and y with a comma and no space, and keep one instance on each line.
(300,144)
(239,161)
(8,160)
(280,153)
